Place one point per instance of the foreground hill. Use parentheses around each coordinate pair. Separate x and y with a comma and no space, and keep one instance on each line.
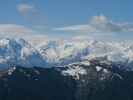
(98,79)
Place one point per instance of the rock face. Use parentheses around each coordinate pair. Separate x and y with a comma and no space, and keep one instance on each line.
(97,79)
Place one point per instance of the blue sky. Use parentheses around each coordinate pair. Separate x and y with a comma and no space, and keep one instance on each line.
(44,16)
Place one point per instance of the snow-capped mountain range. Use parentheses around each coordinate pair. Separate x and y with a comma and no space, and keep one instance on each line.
(62,52)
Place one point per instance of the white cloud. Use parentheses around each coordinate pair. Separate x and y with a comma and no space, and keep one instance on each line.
(13,28)
(19,31)
(31,13)
(14,31)
(37,39)
(99,24)
(24,9)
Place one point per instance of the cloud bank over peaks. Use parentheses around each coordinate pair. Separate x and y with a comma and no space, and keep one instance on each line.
(14,30)
(20,31)
(98,24)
